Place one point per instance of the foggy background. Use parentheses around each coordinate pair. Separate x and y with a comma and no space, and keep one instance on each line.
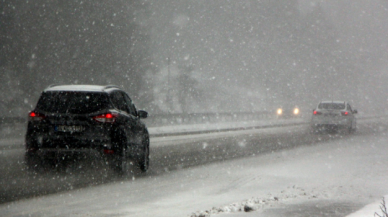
(175,56)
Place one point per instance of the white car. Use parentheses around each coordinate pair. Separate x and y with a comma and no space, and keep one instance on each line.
(334,115)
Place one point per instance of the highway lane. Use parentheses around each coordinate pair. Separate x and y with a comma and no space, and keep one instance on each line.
(167,154)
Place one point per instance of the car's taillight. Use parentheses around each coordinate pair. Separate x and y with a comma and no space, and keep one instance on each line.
(34,116)
(106,118)
(317,113)
(108,151)
(345,113)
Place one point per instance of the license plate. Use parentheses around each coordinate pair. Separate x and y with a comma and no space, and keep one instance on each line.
(70,129)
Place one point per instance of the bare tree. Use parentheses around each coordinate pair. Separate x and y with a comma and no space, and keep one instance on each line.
(383,209)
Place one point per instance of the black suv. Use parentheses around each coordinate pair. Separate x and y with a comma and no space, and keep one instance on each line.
(71,119)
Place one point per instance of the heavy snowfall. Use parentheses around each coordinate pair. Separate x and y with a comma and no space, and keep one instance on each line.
(211,75)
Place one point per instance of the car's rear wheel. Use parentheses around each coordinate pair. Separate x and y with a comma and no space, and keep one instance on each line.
(32,161)
(123,163)
(315,130)
(352,129)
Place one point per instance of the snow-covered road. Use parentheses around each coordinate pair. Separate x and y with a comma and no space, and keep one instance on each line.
(283,169)
(167,154)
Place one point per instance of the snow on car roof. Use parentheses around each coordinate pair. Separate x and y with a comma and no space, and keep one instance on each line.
(93,88)
(331,101)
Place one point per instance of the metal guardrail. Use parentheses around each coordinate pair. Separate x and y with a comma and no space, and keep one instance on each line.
(9,120)
(156,120)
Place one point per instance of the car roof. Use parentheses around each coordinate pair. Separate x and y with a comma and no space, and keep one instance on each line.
(332,101)
(78,87)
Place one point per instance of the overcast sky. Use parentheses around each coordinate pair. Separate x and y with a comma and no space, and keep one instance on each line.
(302,50)
(199,55)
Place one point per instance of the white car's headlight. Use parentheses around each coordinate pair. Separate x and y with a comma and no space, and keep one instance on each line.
(279,111)
(296,111)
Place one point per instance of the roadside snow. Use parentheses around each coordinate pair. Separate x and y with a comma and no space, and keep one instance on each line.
(259,203)
(371,210)
(353,172)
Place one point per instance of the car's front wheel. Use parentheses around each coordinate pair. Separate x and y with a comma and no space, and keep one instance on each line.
(145,157)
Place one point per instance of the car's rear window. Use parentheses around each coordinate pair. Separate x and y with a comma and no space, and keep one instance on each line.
(338,106)
(72,102)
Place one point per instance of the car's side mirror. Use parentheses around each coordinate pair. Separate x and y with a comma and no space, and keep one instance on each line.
(142,114)
(355,111)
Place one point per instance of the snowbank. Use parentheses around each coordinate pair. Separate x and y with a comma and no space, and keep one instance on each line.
(370,210)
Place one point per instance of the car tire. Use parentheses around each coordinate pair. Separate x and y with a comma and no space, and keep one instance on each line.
(314,130)
(349,129)
(122,162)
(145,158)
(32,161)
(353,129)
